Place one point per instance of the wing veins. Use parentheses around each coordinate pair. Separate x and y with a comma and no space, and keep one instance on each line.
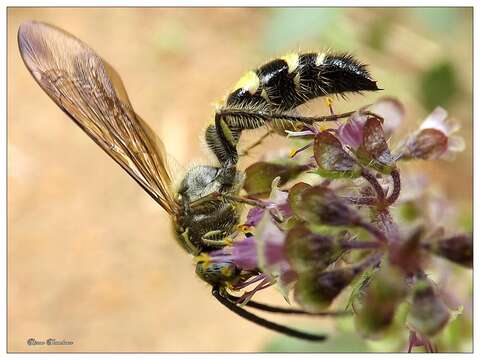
(87,89)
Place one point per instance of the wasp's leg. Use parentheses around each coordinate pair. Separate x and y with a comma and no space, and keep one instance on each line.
(216,238)
(256,143)
(282,310)
(219,295)
(222,137)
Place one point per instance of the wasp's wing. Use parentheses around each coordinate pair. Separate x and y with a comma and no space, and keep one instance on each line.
(90,91)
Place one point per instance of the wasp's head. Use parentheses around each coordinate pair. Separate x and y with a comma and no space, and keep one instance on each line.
(220,275)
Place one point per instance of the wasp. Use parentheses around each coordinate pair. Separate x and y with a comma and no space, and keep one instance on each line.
(204,209)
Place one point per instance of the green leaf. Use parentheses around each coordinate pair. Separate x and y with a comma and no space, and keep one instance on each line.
(345,342)
(379,31)
(438,85)
(290,26)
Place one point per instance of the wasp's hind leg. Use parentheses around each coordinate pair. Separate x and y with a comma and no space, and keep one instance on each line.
(247,150)
(222,137)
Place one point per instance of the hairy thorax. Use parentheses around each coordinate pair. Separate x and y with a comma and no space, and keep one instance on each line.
(204,213)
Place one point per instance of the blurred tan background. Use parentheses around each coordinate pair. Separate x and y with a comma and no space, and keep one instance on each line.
(91,256)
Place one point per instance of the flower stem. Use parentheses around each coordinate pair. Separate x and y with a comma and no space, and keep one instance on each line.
(396,188)
(346,244)
(372,260)
(375,185)
(244,200)
(361,200)
(372,229)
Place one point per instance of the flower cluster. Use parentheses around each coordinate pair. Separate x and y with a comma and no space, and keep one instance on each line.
(339,230)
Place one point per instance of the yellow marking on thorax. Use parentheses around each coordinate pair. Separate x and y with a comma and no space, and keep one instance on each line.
(249,82)
(292,61)
(320,59)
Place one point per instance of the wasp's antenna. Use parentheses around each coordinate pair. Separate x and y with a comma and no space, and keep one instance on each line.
(282,310)
(263,322)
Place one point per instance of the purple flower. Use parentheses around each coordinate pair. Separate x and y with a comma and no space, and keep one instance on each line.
(434,139)
(265,249)
(351,133)
(391,110)
(254,216)
(242,253)
(277,203)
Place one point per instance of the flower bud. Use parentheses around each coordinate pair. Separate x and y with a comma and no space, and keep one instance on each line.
(458,248)
(321,206)
(379,302)
(427,144)
(315,291)
(295,195)
(405,253)
(428,313)
(306,250)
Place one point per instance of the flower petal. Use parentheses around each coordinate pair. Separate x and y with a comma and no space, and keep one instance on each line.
(351,133)
(391,110)
(456,143)
(436,120)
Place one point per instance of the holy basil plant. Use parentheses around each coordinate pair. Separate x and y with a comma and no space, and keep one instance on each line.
(328,223)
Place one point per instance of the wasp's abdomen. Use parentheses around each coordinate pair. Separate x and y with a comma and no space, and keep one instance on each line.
(290,81)
(264,96)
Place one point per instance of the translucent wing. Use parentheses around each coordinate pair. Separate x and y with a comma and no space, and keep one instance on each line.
(90,91)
